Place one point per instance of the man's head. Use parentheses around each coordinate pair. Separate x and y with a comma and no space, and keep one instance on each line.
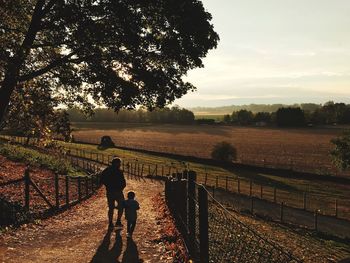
(116,162)
(131,195)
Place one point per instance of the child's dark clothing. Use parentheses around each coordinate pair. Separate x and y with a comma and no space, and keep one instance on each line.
(131,206)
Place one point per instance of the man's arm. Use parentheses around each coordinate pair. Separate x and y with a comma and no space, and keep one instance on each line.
(103,176)
(123,181)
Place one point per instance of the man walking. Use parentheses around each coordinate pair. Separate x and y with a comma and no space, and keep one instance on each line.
(113,179)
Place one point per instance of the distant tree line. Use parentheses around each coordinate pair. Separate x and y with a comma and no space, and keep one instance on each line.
(255,108)
(166,115)
(328,114)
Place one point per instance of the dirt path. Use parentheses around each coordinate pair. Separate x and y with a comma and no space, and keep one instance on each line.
(81,234)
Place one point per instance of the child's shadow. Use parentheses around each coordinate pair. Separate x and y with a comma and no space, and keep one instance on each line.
(106,255)
(131,254)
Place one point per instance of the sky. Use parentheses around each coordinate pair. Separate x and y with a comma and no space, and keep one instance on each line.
(275,51)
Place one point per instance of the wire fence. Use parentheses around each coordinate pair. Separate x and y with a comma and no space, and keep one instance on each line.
(211,232)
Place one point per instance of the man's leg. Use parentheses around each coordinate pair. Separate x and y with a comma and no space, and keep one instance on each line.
(128,226)
(111,206)
(120,201)
(132,227)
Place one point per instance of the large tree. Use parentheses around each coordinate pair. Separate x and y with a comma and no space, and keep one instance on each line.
(121,53)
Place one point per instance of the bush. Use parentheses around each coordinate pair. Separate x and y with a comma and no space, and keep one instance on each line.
(224,151)
(341,152)
(106,142)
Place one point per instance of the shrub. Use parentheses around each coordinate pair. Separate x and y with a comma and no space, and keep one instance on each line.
(341,152)
(106,142)
(224,151)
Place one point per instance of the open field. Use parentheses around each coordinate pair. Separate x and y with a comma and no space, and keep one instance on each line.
(321,192)
(304,150)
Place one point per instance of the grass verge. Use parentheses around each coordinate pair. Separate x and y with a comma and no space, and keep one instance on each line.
(32,157)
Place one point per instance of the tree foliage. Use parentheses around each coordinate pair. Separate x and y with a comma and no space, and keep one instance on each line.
(290,117)
(32,113)
(224,151)
(164,115)
(119,53)
(341,152)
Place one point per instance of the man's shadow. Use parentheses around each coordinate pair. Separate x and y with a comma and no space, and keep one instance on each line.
(104,254)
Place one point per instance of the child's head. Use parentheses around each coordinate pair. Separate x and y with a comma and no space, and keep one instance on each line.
(131,195)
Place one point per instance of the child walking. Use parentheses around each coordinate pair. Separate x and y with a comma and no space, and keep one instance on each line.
(131,206)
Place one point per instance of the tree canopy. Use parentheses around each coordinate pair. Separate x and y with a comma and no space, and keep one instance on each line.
(119,53)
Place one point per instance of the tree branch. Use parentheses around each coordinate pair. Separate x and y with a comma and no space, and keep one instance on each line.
(47,68)
(48,6)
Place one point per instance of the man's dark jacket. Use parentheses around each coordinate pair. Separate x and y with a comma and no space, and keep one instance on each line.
(113,179)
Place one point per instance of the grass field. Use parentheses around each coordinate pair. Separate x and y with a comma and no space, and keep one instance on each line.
(298,149)
(321,193)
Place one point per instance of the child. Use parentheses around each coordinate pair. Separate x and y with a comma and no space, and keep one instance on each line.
(131,206)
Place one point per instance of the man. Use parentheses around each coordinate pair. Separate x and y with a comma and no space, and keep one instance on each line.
(113,179)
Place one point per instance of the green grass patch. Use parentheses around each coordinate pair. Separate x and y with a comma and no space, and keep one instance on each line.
(32,157)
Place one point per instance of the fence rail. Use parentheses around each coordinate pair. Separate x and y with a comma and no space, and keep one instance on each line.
(46,195)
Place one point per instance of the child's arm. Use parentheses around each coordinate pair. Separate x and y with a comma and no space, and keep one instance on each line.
(137,205)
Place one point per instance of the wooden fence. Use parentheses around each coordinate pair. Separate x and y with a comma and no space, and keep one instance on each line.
(43,196)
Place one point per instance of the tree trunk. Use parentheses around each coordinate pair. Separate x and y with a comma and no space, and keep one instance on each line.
(15,64)
(6,90)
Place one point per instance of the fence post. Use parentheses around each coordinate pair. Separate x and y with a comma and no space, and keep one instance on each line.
(252,205)
(217,182)
(238,185)
(191,218)
(203,225)
(142,167)
(162,170)
(304,200)
(250,188)
(226,184)
(275,194)
(26,189)
(86,186)
(316,220)
(57,194)
(282,208)
(261,192)
(206,179)
(79,188)
(336,207)
(67,190)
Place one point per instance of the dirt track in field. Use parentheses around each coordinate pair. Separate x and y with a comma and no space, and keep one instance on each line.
(81,234)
